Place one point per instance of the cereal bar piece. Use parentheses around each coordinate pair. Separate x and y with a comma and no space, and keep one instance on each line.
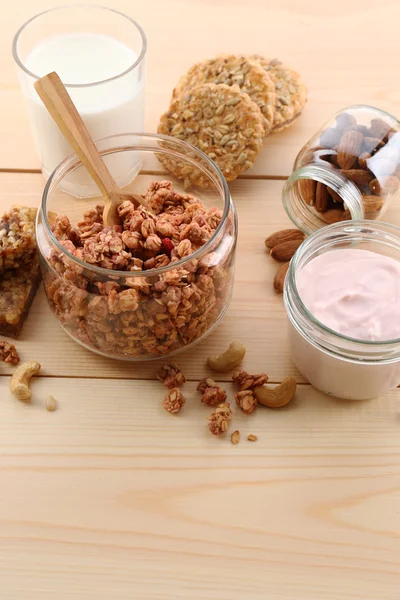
(17,237)
(17,291)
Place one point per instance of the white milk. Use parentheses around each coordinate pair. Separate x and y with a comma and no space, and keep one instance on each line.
(107,109)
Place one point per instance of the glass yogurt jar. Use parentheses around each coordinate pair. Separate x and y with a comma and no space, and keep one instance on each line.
(349,169)
(159,282)
(336,364)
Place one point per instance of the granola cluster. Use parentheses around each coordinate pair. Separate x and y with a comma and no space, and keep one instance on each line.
(245,381)
(211,393)
(174,400)
(8,353)
(219,419)
(171,375)
(146,313)
(246,401)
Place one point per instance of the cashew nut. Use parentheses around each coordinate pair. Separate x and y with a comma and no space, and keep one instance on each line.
(19,383)
(230,359)
(278,396)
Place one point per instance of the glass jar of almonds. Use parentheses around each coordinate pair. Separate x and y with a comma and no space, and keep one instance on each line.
(349,169)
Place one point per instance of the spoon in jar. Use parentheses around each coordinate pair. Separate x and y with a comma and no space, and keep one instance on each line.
(58,102)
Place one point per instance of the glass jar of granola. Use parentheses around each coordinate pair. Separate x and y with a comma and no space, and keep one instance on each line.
(349,169)
(162,279)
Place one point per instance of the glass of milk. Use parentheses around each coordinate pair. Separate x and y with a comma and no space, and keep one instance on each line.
(99,54)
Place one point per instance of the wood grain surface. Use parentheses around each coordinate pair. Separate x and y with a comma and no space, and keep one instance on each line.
(110,497)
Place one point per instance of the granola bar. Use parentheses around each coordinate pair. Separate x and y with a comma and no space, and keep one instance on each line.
(17,291)
(17,237)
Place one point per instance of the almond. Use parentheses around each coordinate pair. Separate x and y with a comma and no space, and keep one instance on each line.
(279,279)
(386,185)
(371,143)
(333,216)
(345,120)
(362,160)
(307,189)
(372,203)
(330,138)
(286,235)
(349,148)
(286,250)
(379,128)
(358,176)
(334,195)
(321,197)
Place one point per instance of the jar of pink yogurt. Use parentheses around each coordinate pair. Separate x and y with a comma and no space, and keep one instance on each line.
(342,298)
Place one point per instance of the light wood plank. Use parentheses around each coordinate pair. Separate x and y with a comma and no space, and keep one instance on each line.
(111,497)
(346,52)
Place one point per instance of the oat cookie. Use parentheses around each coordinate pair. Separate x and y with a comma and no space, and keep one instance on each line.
(220,120)
(291,92)
(234,70)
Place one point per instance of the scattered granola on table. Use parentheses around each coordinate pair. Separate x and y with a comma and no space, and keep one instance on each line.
(8,353)
(51,404)
(219,419)
(235,436)
(171,375)
(245,381)
(246,401)
(252,437)
(205,383)
(143,312)
(174,400)
(213,395)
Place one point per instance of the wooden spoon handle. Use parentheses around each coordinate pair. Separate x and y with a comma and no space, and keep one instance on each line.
(59,104)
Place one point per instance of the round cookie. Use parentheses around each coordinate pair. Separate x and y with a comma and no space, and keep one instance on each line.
(220,120)
(234,70)
(291,93)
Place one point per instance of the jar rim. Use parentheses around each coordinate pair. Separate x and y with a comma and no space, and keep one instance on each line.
(351,227)
(323,173)
(216,175)
(20,31)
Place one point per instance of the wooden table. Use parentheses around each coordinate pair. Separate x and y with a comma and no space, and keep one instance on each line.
(112,498)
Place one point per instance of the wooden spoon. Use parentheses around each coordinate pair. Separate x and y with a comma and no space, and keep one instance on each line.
(60,106)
